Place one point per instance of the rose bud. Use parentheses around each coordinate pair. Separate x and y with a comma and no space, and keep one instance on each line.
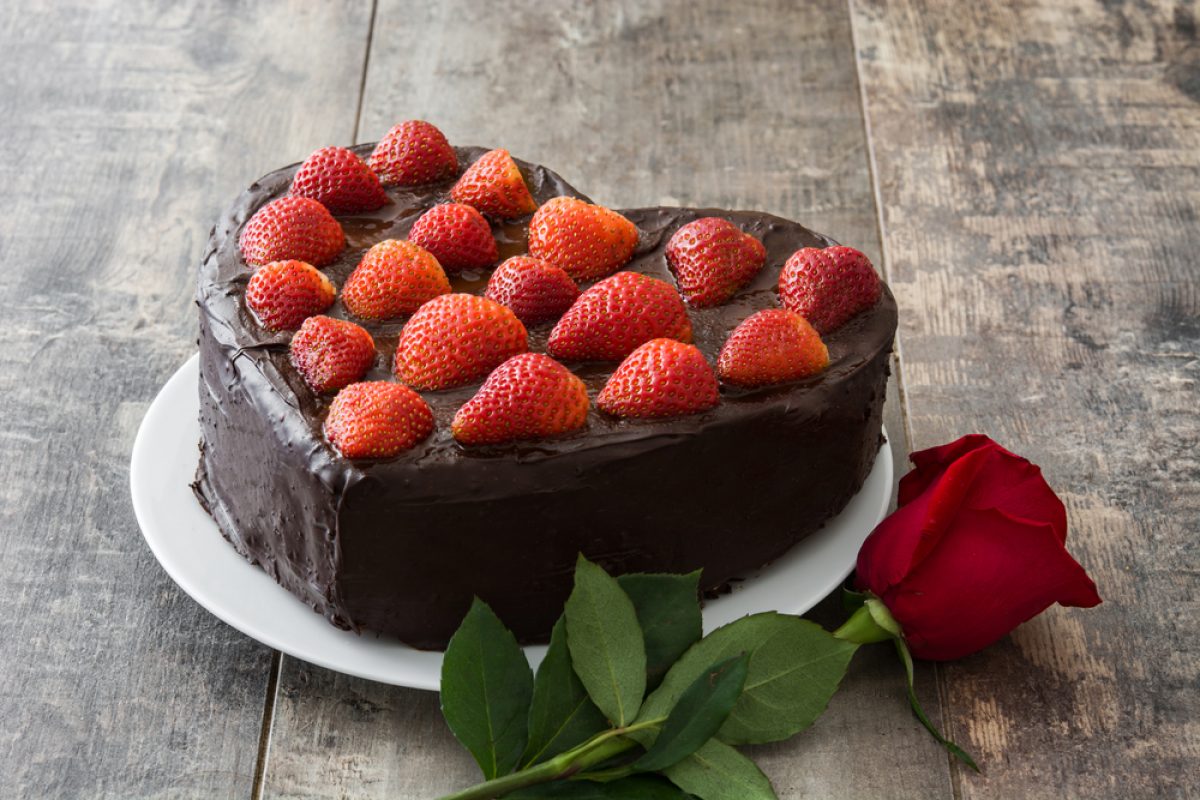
(975,548)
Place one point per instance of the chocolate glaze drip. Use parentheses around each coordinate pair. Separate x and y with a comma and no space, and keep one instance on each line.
(400,546)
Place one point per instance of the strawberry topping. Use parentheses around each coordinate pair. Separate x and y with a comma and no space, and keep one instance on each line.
(536,291)
(339,180)
(662,378)
(331,353)
(772,346)
(413,153)
(616,315)
(457,339)
(712,259)
(457,235)
(494,186)
(292,228)
(587,241)
(377,419)
(530,396)
(828,287)
(394,278)
(283,294)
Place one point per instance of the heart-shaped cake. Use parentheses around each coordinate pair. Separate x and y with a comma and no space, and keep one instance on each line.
(430,373)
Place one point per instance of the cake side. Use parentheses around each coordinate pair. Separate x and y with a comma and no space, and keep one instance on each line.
(266,499)
(400,545)
(729,501)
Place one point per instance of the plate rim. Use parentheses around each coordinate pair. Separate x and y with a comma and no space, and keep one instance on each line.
(166,412)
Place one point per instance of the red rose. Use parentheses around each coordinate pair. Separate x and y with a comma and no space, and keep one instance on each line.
(976,547)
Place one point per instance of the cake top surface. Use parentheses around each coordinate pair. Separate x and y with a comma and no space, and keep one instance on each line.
(302,411)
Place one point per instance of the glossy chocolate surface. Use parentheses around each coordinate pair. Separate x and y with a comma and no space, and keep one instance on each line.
(399,546)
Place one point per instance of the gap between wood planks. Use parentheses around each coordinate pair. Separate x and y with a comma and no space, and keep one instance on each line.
(268,717)
(362,84)
(268,723)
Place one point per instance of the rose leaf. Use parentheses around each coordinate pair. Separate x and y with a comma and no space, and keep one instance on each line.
(486,690)
(607,648)
(668,609)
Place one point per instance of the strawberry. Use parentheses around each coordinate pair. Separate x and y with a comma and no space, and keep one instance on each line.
(587,241)
(394,278)
(457,235)
(494,185)
(616,315)
(530,396)
(377,419)
(331,353)
(772,346)
(828,287)
(534,290)
(413,153)
(283,294)
(339,180)
(292,228)
(662,378)
(457,339)
(712,259)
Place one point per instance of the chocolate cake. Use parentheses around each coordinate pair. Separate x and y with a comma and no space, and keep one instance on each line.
(400,545)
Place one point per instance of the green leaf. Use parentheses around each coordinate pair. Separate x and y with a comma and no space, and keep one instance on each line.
(668,609)
(697,715)
(561,715)
(606,644)
(718,772)
(795,667)
(951,747)
(486,689)
(636,787)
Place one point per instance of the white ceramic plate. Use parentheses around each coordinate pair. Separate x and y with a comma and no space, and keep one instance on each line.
(187,544)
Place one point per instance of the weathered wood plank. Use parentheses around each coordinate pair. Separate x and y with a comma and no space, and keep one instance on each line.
(1038,167)
(737,105)
(126,127)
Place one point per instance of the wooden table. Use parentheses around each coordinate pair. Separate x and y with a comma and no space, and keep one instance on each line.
(1026,177)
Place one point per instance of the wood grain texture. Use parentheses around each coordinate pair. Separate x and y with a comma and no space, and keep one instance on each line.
(126,127)
(1037,165)
(747,106)
(1039,169)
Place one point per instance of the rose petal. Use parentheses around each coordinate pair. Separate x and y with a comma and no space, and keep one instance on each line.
(948,496)
(929,464)
(992,572)
(885,557)
(1016,486)
(902,540)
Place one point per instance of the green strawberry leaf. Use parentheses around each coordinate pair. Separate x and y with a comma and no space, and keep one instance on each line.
(668,609)
(635,787)
(718,772)
(561,714)
(698,714)
(795,667)
(486,690)
(607,649)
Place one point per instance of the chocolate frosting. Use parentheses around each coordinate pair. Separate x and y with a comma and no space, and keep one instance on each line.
(400,546)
